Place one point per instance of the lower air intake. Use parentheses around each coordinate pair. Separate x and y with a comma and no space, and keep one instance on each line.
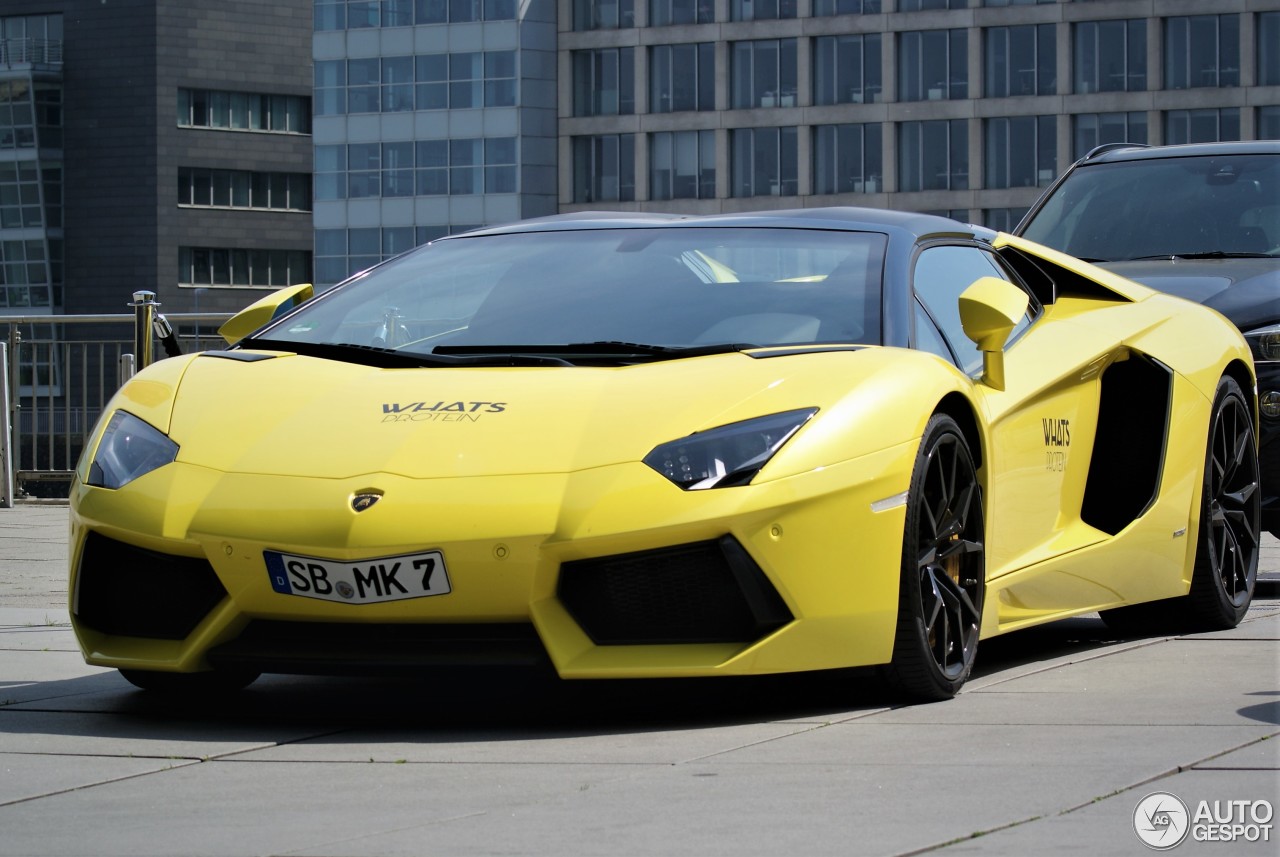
(704,592)
(134,592)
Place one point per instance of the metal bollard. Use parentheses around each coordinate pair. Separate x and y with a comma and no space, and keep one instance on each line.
(144,313)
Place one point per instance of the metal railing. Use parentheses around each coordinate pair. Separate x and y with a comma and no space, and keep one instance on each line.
(30,52)
(61,371)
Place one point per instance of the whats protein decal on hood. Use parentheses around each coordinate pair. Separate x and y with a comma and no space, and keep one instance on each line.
(445,412)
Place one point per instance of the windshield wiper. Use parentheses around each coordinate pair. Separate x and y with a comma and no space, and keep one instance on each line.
(1208,254)
(391,358)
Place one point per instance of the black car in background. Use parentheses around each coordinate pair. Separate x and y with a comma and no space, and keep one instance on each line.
(1201,221)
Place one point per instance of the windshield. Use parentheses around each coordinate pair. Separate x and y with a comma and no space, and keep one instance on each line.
(1201,206)
(536,292)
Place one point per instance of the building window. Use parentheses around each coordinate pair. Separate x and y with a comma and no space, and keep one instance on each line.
(24,274)
(1021,151)
(1021,61)
(421,168)
(664,13)
(1269,122)
(1268,24)
(1110,56)
(933,155)
(244,189)
(1093,129)
(604,82)
(17,115)
(465,80)
(244,111)
(1202,50)
(933,65)
(429,82)
(761,10)
(20,195)
(847,159)
(603,14)
(682,77)
(822,8)
(1208,125)
(362,14)
(930,5)
(1003,219)
(232,267)
(682,165)
(604,168)
(846,69)
(764,162)
(764,73)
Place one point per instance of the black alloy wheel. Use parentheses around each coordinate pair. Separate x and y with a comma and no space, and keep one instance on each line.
(1226,567)
(943,568)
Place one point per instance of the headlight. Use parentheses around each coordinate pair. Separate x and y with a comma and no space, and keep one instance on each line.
(1264,342)
(129,448)
(728,455)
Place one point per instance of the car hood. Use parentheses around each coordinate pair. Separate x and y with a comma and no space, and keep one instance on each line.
(303,416)
(1247,291)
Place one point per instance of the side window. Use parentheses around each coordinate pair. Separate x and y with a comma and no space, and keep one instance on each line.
(928,337)
(941,274)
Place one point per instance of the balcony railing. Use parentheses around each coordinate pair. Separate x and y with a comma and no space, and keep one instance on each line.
(32,52)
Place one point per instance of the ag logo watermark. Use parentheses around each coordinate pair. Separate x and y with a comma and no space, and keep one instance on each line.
(1162,821)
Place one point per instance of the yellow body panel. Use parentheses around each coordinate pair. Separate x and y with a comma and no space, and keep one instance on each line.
(511,472)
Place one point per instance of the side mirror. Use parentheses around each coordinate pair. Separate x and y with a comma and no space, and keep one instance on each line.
(258,313)
(989,311)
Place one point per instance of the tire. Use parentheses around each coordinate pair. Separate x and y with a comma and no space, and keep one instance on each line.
(1226,567)
(1226,564)
(943,575)
(213,683)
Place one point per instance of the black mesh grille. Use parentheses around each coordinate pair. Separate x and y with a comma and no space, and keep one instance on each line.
(706,592)
(357,648)
(135,592)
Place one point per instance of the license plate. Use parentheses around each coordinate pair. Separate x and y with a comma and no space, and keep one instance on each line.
(368,581)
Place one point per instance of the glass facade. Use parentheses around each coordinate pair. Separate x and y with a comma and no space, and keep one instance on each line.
(933,65)
(1110,56)
(31,169)
(682,165)
(1202,50)
(846,69)
(1020,61)
(847,159)
(933,155)
(1021,151)
(1206,125)
(764,162)
(764,74)
(682,77)
(604,168)
(1090,130)
(244,111)
(233,267)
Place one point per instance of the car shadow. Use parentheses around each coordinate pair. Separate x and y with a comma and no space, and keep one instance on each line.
(498,703)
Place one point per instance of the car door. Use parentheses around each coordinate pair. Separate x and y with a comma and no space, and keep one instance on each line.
(1041,424)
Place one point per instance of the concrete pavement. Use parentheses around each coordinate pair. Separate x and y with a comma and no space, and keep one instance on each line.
(1058,736)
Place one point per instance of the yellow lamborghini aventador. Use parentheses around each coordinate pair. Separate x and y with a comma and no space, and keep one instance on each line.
(642,445)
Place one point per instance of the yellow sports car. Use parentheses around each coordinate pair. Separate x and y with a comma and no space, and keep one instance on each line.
(647,445)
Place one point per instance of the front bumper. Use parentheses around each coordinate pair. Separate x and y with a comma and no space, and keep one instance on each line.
(169,572)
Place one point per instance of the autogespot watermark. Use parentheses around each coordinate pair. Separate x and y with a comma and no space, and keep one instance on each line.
(1162,821)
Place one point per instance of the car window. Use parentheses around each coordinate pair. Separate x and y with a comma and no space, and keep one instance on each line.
(678,287)
(1164,206)
(941,274)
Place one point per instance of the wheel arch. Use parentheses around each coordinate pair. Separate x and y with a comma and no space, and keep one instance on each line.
(1243,375)
(960,409)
